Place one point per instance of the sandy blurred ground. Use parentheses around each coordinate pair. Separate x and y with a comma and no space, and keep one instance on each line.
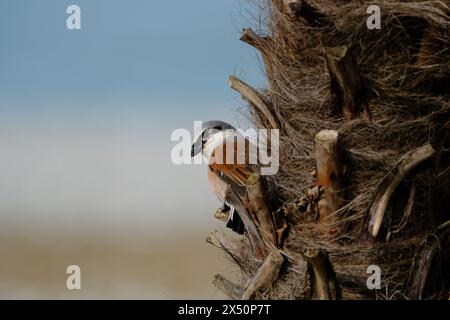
(135,223)
(142,267)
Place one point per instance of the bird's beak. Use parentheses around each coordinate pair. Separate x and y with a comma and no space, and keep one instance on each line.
(197,147)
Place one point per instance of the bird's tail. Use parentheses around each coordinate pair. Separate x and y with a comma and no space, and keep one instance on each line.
(235,222)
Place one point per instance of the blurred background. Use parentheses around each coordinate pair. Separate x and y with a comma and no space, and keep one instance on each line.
(86,116)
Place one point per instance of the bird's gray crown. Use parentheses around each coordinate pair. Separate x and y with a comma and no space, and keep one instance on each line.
(209,128)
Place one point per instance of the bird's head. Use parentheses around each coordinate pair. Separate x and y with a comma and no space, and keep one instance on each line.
(209,129)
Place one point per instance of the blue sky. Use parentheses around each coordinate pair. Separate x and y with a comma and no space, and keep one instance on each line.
(86,115)
(162,57)
(85,123)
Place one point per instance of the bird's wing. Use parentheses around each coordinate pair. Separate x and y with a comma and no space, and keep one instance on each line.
(227,183)
(242,164)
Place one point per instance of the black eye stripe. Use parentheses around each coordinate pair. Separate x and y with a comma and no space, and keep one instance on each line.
(209,132)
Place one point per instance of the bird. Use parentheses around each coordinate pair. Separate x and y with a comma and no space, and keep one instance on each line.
(226,175)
